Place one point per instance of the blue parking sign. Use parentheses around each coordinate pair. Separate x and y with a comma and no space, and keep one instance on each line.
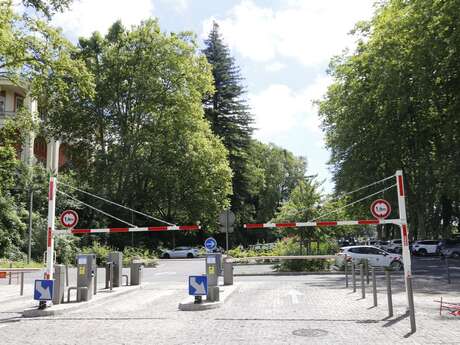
(198,285)
(43,290)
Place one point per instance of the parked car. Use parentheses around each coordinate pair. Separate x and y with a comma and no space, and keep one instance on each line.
(381,244)
(375,256)
(450,249)
(425,247)
(449,242)
(180,252)
(394,246)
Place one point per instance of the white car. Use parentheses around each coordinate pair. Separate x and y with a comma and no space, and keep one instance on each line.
(375,256)
(180,252)
(395,246)
(425,247)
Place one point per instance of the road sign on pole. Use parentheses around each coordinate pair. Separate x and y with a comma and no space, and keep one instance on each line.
(43,290)
(210,244)
(69,218)
(226,219)
(380,209)
(197,285)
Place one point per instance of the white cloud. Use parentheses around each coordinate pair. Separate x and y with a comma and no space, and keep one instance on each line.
(275,66)
(87,16)
(178,5)
(308,31)
(278,109)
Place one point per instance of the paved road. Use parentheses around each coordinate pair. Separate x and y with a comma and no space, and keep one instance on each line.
(263,310)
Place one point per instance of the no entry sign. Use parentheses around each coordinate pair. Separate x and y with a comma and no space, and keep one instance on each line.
(380,209)
(69,218)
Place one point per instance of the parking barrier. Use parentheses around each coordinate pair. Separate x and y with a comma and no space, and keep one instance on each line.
(389,297)
(363,287)
(374,286)
(353,275)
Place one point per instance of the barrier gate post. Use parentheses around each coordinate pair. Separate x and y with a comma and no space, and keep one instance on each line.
(405,247)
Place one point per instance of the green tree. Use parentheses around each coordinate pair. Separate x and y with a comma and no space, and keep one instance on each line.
(394,104)
(228,113)
(143,140)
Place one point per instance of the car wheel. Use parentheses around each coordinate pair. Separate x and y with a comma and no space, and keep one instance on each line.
(456,255)
(190,255)
(396,266)
(422,252)
(166,256)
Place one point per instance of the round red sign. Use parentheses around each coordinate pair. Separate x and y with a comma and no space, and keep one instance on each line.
(380,208)
(69,218)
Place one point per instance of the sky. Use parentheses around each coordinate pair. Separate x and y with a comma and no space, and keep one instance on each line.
(283,48)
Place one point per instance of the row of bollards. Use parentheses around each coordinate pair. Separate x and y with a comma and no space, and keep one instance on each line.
(364,278)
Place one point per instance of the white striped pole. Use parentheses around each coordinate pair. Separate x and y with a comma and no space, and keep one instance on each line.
(121,230)
(405,247)
(322,224)
(51,218)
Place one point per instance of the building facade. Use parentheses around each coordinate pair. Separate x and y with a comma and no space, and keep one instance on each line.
(36,148)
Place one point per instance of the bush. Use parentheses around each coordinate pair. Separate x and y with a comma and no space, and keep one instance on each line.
(66,249)
(4,263)
(101,252)
(147,257)
(290,246)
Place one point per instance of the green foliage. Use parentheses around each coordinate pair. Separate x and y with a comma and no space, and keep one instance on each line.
(394,104)
(143,140)
(101,252)
(228,114)
(66,248)
(20,264)
(290,246)
(134,253)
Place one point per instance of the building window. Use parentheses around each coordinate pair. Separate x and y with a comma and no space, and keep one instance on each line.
(2,101)
(18,102)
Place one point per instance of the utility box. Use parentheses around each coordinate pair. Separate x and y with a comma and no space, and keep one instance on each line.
(211,269)
(59,284)
(117,259)
(137,268)
(228,272)
(86,273)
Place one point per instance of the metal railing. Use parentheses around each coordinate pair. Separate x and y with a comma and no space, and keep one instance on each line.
(20,273)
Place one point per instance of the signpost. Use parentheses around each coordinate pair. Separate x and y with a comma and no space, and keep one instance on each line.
(69,218)
(210,244)
(226,220)
(43,290)
(197,286)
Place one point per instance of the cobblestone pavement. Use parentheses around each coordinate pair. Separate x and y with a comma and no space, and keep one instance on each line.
(263,310)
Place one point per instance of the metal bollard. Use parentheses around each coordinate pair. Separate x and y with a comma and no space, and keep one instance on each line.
(374,286)
(66,275)
(389,297)
(363,287)
(9,281)
(346,274)
(366,266)
(95,282)
(109,275)
(353,275)
(22,283)
(411,304)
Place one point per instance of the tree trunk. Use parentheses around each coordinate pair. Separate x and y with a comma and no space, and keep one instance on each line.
(421,230)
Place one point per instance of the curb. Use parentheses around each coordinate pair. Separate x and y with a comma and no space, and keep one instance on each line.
(72,306)
(225,292)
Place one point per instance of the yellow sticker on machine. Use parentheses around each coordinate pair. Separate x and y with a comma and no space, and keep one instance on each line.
(81,271)
(212,269)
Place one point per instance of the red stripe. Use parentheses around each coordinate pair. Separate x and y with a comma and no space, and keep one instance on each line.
(326,223)
(51,190)
(401,186)
(157,228)
(370,221)
(50,236)
(253,226)
(189,227)
(80,231)
(119,229)
(286,225)
(404,235)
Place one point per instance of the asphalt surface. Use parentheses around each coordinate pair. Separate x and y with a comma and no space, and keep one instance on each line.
(263,310)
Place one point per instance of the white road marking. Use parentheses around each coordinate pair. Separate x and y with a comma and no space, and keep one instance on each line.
(294,295)
(165,273)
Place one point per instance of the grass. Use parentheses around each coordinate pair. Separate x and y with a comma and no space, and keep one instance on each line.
(20,264)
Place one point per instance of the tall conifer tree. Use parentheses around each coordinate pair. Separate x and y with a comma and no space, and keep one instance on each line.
(229,115)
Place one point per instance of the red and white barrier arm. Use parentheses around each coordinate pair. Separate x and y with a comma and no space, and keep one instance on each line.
(119,230)
(322,224)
